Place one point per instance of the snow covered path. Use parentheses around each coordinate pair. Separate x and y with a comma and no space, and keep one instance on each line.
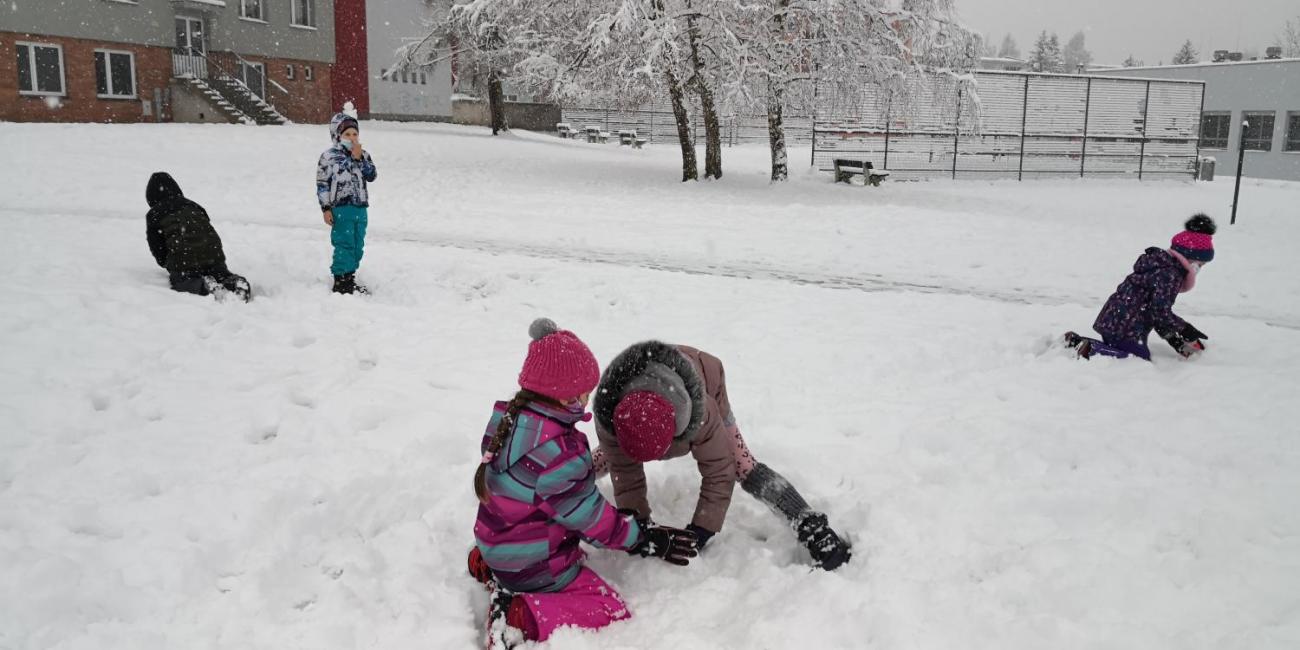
(295,472)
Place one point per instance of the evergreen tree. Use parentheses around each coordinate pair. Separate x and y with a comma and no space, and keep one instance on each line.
(1076,57)
(1009,49)
(1046,56)
(1186,54)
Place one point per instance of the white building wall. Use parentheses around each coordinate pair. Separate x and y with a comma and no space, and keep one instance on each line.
(425,95)
(1247,86)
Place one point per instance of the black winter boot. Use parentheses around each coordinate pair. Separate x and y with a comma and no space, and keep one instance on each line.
(828,550)
(356,288)
(342,284)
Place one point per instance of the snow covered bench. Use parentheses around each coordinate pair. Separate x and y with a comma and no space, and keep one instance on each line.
(626,138)
(565,130)
(845,168)
(593,134)
(638,143)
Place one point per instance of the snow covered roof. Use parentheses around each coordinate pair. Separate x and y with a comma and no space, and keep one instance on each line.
(1210,64)
(1097,74)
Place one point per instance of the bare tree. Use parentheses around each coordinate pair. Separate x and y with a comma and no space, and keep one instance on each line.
(1290,38)
(789,47)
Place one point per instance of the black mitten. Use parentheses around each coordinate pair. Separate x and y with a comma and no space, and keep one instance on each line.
(672,545)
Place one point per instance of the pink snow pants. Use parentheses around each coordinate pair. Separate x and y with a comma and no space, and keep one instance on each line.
(588,602)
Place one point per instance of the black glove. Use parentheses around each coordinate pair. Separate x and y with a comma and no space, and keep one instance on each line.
(702,535)
(1192,334)
(672,545)
(1185,347)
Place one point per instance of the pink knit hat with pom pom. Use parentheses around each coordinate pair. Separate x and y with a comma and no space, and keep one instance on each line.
(1196,243)
(559,365)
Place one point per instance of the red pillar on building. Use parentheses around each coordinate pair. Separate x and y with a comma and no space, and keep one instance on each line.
(351,81)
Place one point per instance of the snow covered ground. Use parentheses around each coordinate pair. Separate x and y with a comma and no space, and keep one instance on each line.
(296,472)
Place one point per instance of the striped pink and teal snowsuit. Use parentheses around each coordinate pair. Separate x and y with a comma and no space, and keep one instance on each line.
(543,501)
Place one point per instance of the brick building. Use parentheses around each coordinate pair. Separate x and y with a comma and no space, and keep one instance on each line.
(259,61)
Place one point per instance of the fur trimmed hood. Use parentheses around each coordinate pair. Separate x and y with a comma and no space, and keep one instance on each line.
(642,366)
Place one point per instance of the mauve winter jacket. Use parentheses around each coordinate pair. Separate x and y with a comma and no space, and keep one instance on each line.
(706,436)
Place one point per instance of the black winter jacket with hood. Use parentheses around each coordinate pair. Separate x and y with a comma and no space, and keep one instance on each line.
(180,235)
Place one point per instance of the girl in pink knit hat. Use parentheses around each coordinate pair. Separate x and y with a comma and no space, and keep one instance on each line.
(537,499)
(1145,300)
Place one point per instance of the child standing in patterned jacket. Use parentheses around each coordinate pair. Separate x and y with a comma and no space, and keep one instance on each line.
(537,499)
(1144,301)
(341,177)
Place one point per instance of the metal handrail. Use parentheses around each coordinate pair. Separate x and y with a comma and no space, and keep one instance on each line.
(235,78)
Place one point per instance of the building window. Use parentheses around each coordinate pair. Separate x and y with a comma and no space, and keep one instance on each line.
(288,72)
(1292,132)
(251,9)
(114,74)
(424,79)
(308,73)
(1259,135)
(40,69)
(1214,130)
(304,12)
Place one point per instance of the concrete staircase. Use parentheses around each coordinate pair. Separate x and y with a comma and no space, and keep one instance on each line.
(235,93)
(203,89)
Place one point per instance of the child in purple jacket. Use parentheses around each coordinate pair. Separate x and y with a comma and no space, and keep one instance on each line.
(538,499)
(1145,300)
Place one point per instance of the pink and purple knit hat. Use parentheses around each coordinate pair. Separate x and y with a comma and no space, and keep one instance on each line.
(559,365)
(1196,243)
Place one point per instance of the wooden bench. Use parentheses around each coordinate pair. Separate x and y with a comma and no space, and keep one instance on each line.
(603,137)
(638,143)
(565,130)
(593,134)
(845,168)
(626,138)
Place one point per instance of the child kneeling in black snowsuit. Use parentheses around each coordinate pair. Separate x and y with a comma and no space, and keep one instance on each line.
(183,241)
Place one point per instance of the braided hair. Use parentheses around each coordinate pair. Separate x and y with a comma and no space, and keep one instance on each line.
(504,427)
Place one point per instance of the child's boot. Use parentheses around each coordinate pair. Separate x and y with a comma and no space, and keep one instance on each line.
(1081,344)
(342,284)
(828,550)
(504,624)
(356,288)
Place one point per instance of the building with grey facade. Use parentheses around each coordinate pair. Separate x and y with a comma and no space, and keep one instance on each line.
(162,60)
(369,35)
(1264,93)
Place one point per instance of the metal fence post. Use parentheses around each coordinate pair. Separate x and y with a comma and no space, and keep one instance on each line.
(1024,116)
(1146,110)
(1087,108)
(889,118)
(956,135)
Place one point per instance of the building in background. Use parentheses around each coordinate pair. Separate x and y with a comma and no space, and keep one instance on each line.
(1003,63)
(259,61)
(368,35)
(1265,92)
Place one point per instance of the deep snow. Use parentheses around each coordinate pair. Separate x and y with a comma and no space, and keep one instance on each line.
(296,472)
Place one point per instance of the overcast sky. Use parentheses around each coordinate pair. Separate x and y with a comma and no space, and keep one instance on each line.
(1150,30)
